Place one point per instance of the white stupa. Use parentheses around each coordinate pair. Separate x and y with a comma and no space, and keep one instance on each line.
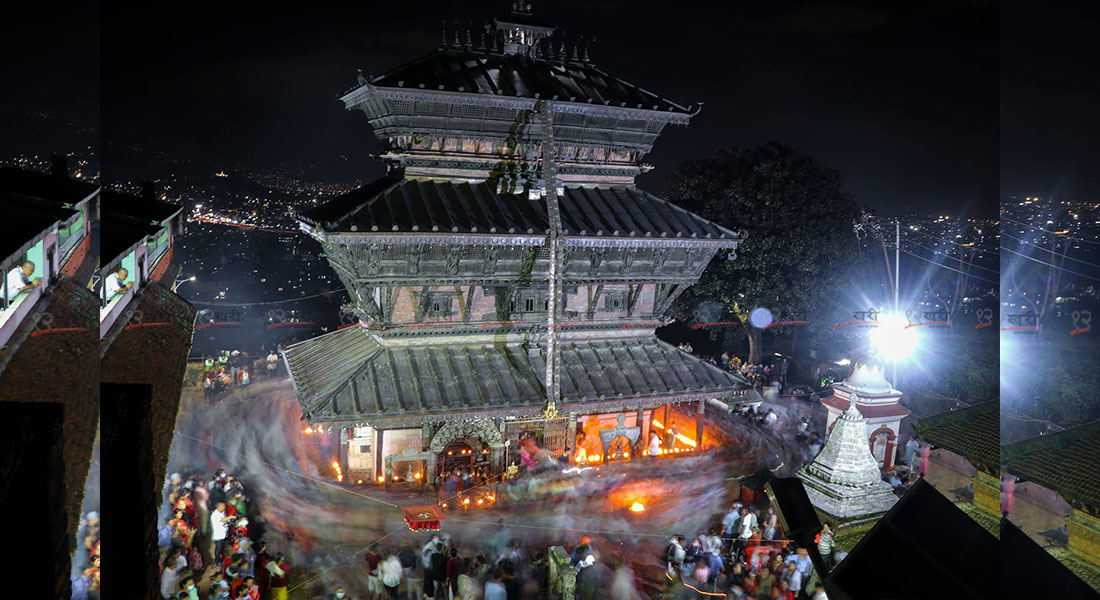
(844,480)
(877,401)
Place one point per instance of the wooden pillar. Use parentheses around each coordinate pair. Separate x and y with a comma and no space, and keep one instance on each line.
(699,424)
(644,424)
(667,442)
(571,437)
(379,466)
(342,439)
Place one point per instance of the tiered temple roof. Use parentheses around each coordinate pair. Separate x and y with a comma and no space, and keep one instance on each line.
(352,376)
(517,75)
(406,206)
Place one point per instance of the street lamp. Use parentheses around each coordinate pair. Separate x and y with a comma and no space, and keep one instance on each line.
(893,339)
(179,282)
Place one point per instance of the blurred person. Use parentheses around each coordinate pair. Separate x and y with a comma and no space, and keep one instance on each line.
(819,593)
(188,589)
(389,572)
(219,528)
(825,544)
(494,588)
(374,581)
(454,567)
(272,363)
(439,573)
(469,588)
(170,576)
(280,573)
(911,448)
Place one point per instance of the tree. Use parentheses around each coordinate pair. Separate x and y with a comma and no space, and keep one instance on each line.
(800,247)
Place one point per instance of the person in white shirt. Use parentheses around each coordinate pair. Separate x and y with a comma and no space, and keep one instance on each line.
(272,362)
(218,528)
(115,285)
(19,280)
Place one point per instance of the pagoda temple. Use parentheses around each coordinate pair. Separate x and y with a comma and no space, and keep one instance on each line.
(507,275)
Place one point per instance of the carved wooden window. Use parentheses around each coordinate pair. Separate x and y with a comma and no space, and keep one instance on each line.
(653,126)
(401,107)
(615,300)
(393,252)
(469,145)
(465,110)
(631,124)
(499,112)
(431,108)
(439,304)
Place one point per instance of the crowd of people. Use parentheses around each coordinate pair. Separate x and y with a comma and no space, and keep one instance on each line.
(85,579)
(746,557)
(209,535)
(440,570)
(773,375)
(236,370)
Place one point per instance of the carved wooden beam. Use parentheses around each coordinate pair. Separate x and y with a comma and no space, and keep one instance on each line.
(632,295)
(466,308)
(593,299)
(421,304)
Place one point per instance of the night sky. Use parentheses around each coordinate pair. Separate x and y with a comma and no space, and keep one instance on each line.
(938,105)
(1050,101)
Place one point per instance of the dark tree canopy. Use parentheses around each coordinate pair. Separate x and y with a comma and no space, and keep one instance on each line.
(800,247)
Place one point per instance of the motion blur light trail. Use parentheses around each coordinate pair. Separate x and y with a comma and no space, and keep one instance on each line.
(323,525)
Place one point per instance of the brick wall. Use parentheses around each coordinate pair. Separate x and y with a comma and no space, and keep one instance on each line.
(149,353)
(58,364)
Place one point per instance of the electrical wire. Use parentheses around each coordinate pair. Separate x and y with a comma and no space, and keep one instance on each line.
(941,252)
(1067,236)
(245,305)
(943,266)
(1050,251)
(1053,266)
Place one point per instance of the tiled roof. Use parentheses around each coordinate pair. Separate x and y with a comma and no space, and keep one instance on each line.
(440,382)
(973,433)
(515,75)
(869,411)
(403,205)
(1065,462)
(321,365)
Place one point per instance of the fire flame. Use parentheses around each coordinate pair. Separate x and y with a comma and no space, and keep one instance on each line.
(307,430)
(418,475)
(637,507)
(686,440)
(381,479)
(339,473)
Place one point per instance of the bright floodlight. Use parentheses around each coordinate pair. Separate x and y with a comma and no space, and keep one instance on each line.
(892,338)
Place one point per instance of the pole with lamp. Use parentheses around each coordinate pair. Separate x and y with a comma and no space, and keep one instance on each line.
(179,282)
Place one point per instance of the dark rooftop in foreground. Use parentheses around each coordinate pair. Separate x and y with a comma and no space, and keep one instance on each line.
(946,553)
(58,189)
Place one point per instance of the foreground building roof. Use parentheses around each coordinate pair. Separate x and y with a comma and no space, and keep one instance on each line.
(350,376)
(954,556)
